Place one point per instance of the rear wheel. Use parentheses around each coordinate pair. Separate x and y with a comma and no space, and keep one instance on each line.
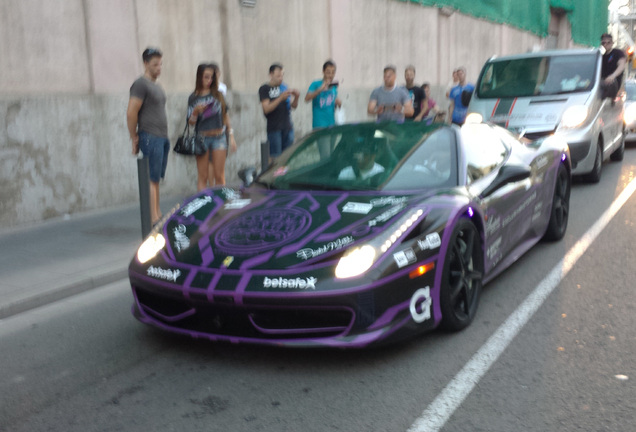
(560,206)
(595,175)
(462,277)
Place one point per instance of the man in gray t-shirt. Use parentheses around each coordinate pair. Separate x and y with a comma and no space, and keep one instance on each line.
(148,124)
(390,102)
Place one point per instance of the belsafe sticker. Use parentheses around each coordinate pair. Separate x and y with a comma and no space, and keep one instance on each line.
(299,283)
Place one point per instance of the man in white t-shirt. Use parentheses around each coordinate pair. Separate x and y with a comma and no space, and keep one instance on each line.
(364,165)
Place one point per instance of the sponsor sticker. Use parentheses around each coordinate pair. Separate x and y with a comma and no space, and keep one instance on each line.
(420,305)
(541,161)
(280,171)
(237,204)
(297,283)
(181,241)
(391,200)
(493,224)
(356,207)
(195,205)
(227,261)
(334,245)
(230,194)
(386,215)
(432,241)
(166,274)
(404,258)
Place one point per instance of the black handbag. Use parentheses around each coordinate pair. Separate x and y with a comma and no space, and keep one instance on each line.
(190,143)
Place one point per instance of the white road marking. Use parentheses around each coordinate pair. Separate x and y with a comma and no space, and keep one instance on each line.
(64,307)
(446,403)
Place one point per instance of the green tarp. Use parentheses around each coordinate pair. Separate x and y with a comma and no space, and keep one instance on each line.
(588,18)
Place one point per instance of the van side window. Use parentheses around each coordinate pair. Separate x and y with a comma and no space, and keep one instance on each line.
(485,150)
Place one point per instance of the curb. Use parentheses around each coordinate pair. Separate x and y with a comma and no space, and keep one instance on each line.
(64,290)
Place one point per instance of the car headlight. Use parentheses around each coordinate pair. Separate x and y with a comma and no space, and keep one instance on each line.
(360,259)
(630,114)
(474,117)
(150,247)
(574,116)
(356,262)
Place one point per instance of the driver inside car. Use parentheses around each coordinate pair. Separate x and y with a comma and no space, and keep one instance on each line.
(363,165)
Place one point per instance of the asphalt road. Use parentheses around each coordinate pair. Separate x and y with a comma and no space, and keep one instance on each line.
(84,364)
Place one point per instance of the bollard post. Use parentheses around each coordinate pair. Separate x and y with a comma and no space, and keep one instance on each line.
(143,173)
(264,155)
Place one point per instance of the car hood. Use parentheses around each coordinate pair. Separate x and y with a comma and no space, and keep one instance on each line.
(540,113)
(269,229)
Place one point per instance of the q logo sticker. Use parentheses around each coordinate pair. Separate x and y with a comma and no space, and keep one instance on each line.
(420,306)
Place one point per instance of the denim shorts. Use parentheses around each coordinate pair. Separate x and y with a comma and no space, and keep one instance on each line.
(156,149)
(216,142)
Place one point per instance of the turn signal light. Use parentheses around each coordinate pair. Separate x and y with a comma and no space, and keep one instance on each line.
(421,270)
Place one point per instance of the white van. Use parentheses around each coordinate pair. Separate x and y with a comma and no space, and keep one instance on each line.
(542,93)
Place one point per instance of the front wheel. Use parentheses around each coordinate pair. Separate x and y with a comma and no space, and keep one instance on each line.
(461,277)
(560,206)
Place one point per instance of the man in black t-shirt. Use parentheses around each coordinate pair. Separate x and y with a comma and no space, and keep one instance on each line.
(613,66)
(275,100)
(416,93)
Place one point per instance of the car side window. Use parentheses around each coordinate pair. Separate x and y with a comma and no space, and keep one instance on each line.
(484,150)
(432,164)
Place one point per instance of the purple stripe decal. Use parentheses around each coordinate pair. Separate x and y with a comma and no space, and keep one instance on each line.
(257,260)
(207,255)
(389,315)
(313,206)
(240,288)
(213,283)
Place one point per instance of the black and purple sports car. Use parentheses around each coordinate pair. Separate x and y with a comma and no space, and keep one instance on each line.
(357,235)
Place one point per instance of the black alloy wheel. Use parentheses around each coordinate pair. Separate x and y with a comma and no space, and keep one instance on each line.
(560,206)
(462,277)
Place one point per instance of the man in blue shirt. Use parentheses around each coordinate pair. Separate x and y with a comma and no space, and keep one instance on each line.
(324,96)
(457,110)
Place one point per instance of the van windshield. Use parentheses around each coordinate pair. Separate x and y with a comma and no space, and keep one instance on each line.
(537,76)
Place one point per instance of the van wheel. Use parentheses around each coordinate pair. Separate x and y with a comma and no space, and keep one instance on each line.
(595,175)
(619,153)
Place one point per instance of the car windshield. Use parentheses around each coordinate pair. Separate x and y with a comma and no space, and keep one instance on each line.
(366,156)
(537,76)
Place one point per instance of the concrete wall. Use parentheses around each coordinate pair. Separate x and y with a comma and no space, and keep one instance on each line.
(67,66)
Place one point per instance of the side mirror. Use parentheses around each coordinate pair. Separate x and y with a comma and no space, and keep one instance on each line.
(507,174)
(247,175)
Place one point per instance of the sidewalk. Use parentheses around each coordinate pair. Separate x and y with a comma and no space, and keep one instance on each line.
(52,260)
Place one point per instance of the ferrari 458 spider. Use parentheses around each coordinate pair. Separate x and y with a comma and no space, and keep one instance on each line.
(356,235)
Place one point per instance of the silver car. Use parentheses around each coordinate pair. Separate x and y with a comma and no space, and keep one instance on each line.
(555,92)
